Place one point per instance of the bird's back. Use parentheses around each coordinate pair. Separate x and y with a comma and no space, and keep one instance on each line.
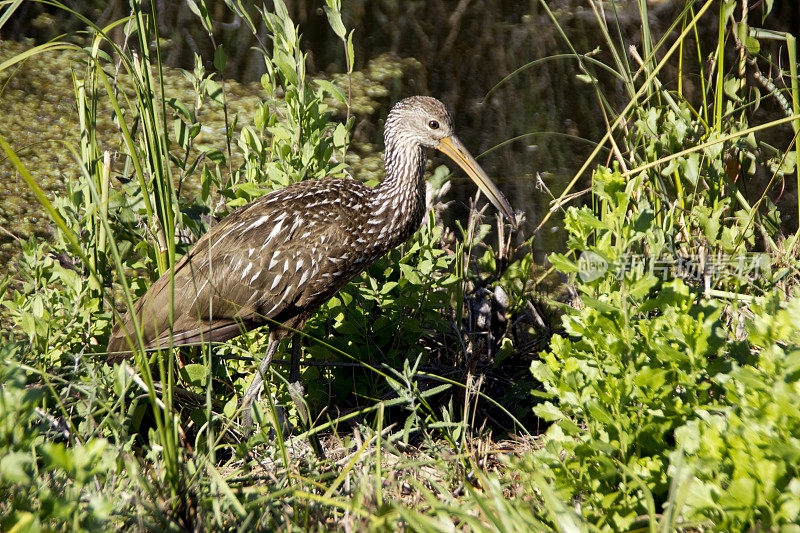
(277,258)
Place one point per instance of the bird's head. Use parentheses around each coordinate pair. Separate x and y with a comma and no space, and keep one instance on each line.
(419,119)
(425,121)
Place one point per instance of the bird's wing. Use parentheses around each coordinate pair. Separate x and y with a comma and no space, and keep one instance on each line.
(274,259)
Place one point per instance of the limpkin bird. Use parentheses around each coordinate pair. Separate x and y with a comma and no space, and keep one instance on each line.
(277,259)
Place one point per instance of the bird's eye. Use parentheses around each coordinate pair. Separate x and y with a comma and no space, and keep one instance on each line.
(433,125)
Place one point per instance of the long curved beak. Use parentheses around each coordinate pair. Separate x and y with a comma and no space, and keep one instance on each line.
(453,148)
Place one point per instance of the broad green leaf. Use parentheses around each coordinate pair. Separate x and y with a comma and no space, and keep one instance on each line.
(194,374)
(220,58)
(332,90)
(335,20)
(562,264)
(548,412)
(14,467)
(28,325)
(340,136)
(214,90)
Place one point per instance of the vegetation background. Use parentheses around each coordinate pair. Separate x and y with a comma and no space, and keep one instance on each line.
(497,395)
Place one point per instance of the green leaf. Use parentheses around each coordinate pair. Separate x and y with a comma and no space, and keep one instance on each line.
(230,407)
(280,9)
(261,117)
(335,20)
(14,467)
(691,169)
(598,305)
(214,90)
(350,52)
(506,349)
(220,58)
(71,279)
(194,374)
(388,287)
(216,156)
(753,45)
(340,136)
(562,264)
(410,274)
(37,307)
(731,87)
(28,324)
(181,133)
(742,492)
(181,109)
(487,261)
(332,90)
(548,412)
(641,287)
(788,163)
(598,412)
(766,9)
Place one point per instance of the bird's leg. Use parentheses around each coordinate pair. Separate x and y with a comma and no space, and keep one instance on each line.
(258,379)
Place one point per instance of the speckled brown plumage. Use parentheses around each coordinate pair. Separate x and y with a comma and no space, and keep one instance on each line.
(280,257)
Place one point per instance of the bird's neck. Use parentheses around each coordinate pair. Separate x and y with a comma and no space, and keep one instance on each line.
(399,201)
